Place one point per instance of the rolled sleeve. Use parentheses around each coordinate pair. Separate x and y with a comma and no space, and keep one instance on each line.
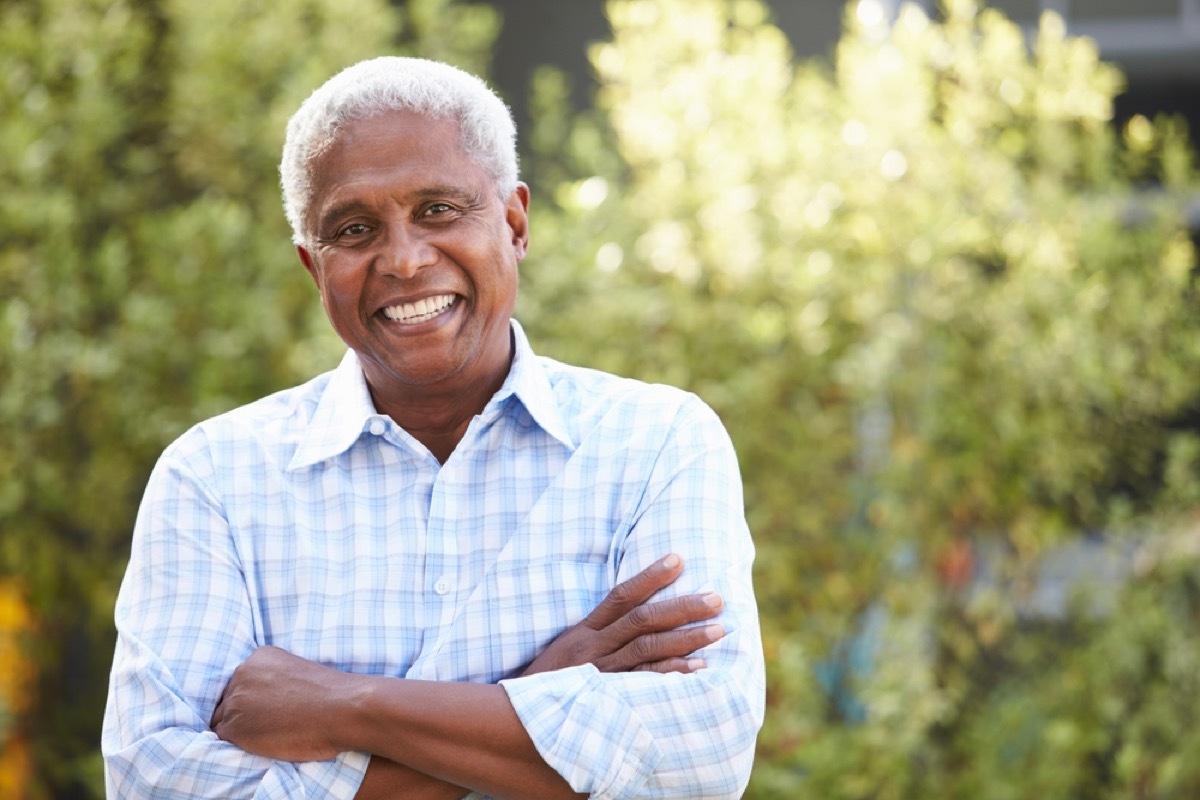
(640,735)
(586,730)
(648,735)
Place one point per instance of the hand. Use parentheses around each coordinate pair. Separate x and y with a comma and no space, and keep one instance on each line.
(626,634)
(278,705)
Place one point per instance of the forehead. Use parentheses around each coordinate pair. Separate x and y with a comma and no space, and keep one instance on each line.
(394,152)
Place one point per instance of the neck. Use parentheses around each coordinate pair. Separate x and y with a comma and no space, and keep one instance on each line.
(438,417)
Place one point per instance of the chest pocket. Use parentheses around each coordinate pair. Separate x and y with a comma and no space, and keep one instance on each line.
(514,613)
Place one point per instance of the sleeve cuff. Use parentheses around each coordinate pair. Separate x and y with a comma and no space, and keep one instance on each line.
(585,731)
(338,777)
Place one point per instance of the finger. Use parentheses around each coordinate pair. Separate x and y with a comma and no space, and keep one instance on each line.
(652,618)
(630,594)
(656,647)
(664,615)
(684,665)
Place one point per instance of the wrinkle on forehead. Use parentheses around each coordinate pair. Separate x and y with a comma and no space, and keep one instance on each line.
(331,176)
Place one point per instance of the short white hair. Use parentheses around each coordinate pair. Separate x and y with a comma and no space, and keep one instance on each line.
(378,86)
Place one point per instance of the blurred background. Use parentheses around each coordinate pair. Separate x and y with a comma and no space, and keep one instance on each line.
(933,263)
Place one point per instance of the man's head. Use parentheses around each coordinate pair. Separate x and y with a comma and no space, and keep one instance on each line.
(400,182)
(375,87)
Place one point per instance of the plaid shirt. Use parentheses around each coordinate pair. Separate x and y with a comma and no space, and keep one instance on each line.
(308,521)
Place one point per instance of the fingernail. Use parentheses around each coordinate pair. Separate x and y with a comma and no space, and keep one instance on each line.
(714,632)
(696,664)
(671,561)
(712,599)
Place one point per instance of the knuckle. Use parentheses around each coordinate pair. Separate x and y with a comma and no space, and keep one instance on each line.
(594,617)
(605,611)
(641,617)
(644,649)
(680,609)
(623,593)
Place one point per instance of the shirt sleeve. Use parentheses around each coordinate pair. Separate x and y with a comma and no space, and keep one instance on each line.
(658,736)
(184,623)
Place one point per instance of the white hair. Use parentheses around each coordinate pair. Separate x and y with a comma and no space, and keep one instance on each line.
(377,86)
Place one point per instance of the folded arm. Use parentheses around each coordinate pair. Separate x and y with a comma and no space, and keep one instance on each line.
(591,708)
(184,622)
(436,737)
(667,736)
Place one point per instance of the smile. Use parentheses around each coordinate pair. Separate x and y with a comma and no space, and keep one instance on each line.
(420,311)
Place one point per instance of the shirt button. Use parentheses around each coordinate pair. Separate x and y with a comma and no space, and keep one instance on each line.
(377,427)
(442,586)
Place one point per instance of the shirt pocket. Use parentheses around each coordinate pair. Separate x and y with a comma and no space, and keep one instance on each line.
(518,610)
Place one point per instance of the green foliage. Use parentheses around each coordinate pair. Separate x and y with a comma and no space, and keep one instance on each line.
(938,298)
(147,276)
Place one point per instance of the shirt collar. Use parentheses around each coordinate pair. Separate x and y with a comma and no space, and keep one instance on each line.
(343,412)
(345,408)
(528,382)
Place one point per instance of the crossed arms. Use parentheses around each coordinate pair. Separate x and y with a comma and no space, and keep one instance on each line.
(432,739)
(197,708)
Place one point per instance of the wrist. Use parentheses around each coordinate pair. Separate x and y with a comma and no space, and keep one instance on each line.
(347,716)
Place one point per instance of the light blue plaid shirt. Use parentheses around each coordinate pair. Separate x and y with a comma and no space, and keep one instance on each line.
(308,521)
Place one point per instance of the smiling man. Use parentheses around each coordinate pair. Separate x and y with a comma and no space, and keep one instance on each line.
(415,254)
(448,566)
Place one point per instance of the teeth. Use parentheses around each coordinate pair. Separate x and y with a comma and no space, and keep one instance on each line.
(420,311)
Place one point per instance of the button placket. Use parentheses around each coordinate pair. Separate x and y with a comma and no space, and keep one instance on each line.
(443,547)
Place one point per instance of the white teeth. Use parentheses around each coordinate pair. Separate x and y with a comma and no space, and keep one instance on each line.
(420,311)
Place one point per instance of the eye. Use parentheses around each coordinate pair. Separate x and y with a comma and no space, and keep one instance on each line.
(353,229)
(437,209)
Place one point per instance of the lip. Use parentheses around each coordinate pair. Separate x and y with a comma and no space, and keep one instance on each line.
(421,310)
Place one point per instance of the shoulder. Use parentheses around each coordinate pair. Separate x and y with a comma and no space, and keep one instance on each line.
(594,402)
(266,430)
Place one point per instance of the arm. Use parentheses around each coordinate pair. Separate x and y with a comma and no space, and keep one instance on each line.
(611,735)
(386,780)
(463,733)
(635,734)
(184,622)
(286,707)
(147,749)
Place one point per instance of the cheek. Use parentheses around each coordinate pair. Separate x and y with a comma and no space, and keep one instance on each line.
(339,300)
(336,285)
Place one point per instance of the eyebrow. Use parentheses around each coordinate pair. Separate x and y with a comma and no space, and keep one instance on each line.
(339,210)
(462,195)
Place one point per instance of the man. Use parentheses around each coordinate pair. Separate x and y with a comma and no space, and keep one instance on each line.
(448,566)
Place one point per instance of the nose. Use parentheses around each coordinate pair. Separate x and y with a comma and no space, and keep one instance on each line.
(405,251)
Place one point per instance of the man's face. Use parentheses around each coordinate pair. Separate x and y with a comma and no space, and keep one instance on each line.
(415,255)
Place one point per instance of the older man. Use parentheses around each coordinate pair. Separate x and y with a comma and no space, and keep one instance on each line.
(438,569)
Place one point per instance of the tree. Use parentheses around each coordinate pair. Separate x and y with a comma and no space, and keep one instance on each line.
(946,308)
(148,279)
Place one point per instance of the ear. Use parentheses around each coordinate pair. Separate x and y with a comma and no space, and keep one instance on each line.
(307,260)
(516,213)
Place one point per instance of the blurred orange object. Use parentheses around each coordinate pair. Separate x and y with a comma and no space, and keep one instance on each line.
(956,564)
(16,683)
